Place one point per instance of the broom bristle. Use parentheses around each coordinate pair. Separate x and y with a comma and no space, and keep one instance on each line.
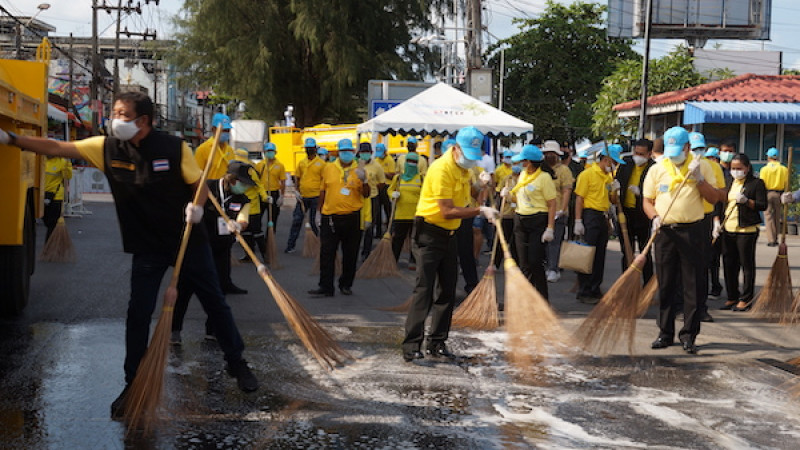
(403,307)
(532,326)
(775,299)
(271,250)
(479,310)
(793,315)
(648,295)
(58,247)
(315,338)
(144,396)
(310,243)
(615,315)
(380,263)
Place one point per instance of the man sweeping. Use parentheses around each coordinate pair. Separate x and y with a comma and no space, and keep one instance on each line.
(673,192)
(390,169)
(446,194)
(307,178)
(57,171)
(631,177)
(776,179)
(225,152)
(153,177)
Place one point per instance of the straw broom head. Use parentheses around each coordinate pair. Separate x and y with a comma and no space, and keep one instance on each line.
(775,299)
(479,310)
(793,315)
(648,295)
(310,243)
(58,247)
(403,307)
(614,317)
(380,263)
(271,250)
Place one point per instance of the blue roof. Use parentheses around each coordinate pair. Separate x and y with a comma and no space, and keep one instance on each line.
(741,112)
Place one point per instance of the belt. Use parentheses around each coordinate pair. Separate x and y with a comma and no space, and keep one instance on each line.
(342,216)
(433,229)
(779,191)
(677,226)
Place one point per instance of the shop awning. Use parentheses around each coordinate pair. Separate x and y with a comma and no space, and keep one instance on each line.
(741,112)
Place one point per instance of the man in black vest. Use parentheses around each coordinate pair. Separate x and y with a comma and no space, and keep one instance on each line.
(631,177)
(153,177)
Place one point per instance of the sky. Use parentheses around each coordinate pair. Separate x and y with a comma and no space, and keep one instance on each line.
(75,16)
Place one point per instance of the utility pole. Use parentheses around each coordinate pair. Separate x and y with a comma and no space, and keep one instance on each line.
(648,17)
(473,35)
(71,76)
(95,99)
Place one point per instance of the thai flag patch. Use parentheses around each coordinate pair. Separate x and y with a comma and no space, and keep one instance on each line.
(160,165)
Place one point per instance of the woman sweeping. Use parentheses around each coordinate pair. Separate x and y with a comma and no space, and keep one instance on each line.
(404,189)
(534,222)
(746,198)
(507,213)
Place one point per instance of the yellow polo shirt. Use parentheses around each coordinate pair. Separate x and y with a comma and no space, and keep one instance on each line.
(375,176)
(409,196)
(223,155)
(658,185)
(732,211)
(564,180)
(422,164)
(342,189)
(533,191)
(91,149)
(57,169)
(500,174)
(775,176)
(310,175)
(388,164)
(718,182)
(271,174)
(593,185)
(445,180)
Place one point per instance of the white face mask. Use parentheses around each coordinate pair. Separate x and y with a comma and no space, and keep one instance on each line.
(465,163)
(609,169)
(640,160)
(678,160)
(726,157)
(739,174)
(124,130)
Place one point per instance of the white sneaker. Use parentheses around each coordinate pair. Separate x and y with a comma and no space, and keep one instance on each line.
(553,276)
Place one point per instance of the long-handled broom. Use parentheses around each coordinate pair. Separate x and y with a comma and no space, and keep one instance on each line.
(144,396)
(315,338)
(531,323)
(479,310)
(623,227)
(775,299)
(616,313)
(381,263)
(58,247)
(310,240)
(271,250)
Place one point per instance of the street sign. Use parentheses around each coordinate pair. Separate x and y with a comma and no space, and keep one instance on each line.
(378,107)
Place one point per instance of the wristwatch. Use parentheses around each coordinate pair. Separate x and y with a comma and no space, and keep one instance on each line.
(12,138)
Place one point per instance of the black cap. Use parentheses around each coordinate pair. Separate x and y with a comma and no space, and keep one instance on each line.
(242,172)
(364,147)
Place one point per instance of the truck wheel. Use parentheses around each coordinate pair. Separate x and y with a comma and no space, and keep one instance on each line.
(15,270)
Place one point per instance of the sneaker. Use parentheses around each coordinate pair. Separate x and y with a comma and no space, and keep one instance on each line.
(118,405)
(289,250)
(553,276)
(589,300)
(235,290)
(244,377)
(175,338)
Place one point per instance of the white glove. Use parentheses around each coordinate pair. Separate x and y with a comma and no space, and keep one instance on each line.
(635,190)
(694,170)
(269,199)
(787,197)
(395,195)
(489,212)
(194,213)
(485,178)
(513,205)
(578,229)
(548,235)
(318,220)
(46,201)
(655,224)
(280,201)
(4,137)
(262,270)
(615,186)
(741,198)
(561,213)
(298,197)
(361,174)
(504,192)
(717,230)
(233,227)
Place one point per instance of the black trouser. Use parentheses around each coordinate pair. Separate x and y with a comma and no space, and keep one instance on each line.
(198,275)
(530,249)
(336,229)
(52,212)
(596,234)
(715,252)
(680,265)
(508,231)
(254,234)
(309,205)
(436,251)
(372,231)
(739,252)
(384,207)
(466,256)
(639,227)
(402,230)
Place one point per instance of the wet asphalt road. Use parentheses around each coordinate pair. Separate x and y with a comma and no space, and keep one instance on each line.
(61,366)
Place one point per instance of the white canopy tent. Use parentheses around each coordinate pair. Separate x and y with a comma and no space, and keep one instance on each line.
(442,109)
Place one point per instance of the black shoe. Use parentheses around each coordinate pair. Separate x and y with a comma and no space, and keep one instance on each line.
(688,346)
(118,405)
(727,306)
(244,377)
(320,293)
(744,308)
(706,317)
(439,350)
(715,293)
(346,291)
(233,289)
(772,244)
(289,250)
(410,356)
(661,343)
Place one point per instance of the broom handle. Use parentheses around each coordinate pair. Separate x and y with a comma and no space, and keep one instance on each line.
(187,230)
(391,220)
(496,235)
(623,227)
(239,238)
(788,189)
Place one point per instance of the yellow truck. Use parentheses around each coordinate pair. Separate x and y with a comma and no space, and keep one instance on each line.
(23,110)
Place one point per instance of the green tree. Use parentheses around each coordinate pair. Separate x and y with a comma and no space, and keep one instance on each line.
(316,55)
(669,73)
(554,67)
